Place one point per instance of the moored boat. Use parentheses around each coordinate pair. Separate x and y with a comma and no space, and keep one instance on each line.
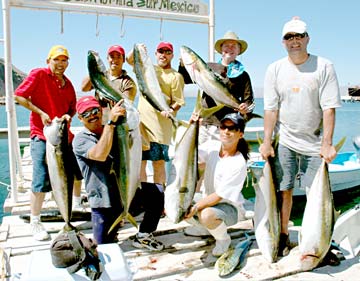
(344,172)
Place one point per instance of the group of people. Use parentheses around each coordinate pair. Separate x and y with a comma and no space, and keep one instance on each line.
(301,94)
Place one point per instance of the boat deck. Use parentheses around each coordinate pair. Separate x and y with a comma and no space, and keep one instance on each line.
(184,257)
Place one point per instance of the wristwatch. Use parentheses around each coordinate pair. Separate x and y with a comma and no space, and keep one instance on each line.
(111,122)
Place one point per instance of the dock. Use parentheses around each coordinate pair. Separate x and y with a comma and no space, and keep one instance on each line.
(184,257)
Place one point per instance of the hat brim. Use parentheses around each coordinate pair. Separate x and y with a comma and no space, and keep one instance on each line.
(242,43)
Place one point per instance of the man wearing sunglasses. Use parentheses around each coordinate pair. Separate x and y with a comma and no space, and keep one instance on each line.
(157,126)
(95,152)
(301,93)
(221,204)
(47,93)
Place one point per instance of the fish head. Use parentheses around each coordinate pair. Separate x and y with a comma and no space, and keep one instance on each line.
(56,131)
(187,55)
(95,63)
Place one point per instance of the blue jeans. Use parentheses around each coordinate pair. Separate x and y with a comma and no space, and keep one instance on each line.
(40,181)
(102,219)
(290,166)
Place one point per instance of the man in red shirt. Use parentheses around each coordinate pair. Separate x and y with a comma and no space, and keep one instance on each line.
(47,93)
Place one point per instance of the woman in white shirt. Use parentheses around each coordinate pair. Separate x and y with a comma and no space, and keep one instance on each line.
(224,176)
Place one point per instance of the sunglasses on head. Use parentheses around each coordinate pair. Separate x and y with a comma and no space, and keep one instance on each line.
(230,128)
(88,113)
(289,37)
(166,52)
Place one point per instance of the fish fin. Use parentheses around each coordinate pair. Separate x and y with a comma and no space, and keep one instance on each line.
(116,222)
(131,219)
(69,227)
(339,145)
(249,116)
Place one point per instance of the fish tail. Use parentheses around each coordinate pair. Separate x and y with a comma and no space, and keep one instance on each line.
(131,219)
(117,221)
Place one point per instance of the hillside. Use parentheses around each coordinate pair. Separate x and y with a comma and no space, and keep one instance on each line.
(18,77)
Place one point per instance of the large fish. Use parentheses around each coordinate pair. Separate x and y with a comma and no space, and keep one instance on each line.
(127,166)
(60,173)
(147,80)
(105,88)
(209,81)
(318,220)
(266,215)
(184,175)
(233,257)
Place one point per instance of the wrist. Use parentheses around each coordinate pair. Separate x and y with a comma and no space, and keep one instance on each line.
(111,123)
(196,209)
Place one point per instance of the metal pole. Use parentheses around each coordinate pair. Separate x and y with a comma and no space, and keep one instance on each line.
(10,106)
(211,30)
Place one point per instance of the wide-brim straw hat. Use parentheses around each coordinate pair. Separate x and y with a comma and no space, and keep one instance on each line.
(230,35)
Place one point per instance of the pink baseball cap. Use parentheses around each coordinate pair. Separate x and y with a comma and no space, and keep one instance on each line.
(165,45)
(116,48)
(86,102)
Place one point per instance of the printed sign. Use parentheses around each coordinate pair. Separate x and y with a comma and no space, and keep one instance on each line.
(189,7)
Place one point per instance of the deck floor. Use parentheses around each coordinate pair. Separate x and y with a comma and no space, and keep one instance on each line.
(184,257)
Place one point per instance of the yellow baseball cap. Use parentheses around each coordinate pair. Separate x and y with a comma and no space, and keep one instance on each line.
(58,50)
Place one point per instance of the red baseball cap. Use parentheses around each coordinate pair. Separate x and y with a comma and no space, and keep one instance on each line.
(116,48)
(86,102)
(165,45)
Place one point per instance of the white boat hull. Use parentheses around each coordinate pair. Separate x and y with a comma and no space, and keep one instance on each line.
(344,172)
(346,232)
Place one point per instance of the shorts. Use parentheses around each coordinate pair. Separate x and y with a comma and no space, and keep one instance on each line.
(291,168)
(156,152)
(225,212)
(41,182)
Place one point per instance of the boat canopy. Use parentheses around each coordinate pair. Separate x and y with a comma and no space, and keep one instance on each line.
(190,11)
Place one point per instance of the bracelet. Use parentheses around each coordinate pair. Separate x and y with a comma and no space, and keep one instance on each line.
(196,208)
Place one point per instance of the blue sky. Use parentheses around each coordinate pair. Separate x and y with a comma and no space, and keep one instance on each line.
(333,27)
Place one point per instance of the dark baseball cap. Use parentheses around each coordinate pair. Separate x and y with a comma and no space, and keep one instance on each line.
(237,119)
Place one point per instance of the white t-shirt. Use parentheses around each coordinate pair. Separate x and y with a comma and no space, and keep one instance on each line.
(225,176)
(301,93)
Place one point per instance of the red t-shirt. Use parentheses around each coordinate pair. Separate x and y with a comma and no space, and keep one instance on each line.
(44,90)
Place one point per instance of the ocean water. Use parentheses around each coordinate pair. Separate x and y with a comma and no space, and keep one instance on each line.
(347,124)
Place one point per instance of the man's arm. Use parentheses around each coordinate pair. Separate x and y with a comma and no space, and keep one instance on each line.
(270,118)
(327,150)
(30,106)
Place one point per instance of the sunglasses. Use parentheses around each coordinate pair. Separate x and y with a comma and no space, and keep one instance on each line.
(88,113)
(289,37)
(166,52)
(230,128)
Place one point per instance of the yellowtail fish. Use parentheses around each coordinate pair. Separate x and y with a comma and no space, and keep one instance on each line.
(127,166)
(266,215)
(318,220)
(183,178)
(233,257)
(60,173)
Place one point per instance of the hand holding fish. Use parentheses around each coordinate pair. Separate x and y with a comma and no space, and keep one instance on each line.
(243,108)
(117,111)
(195,116)
(167,113)
(266,150)
(45,118)
(327,152)
(191,212)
